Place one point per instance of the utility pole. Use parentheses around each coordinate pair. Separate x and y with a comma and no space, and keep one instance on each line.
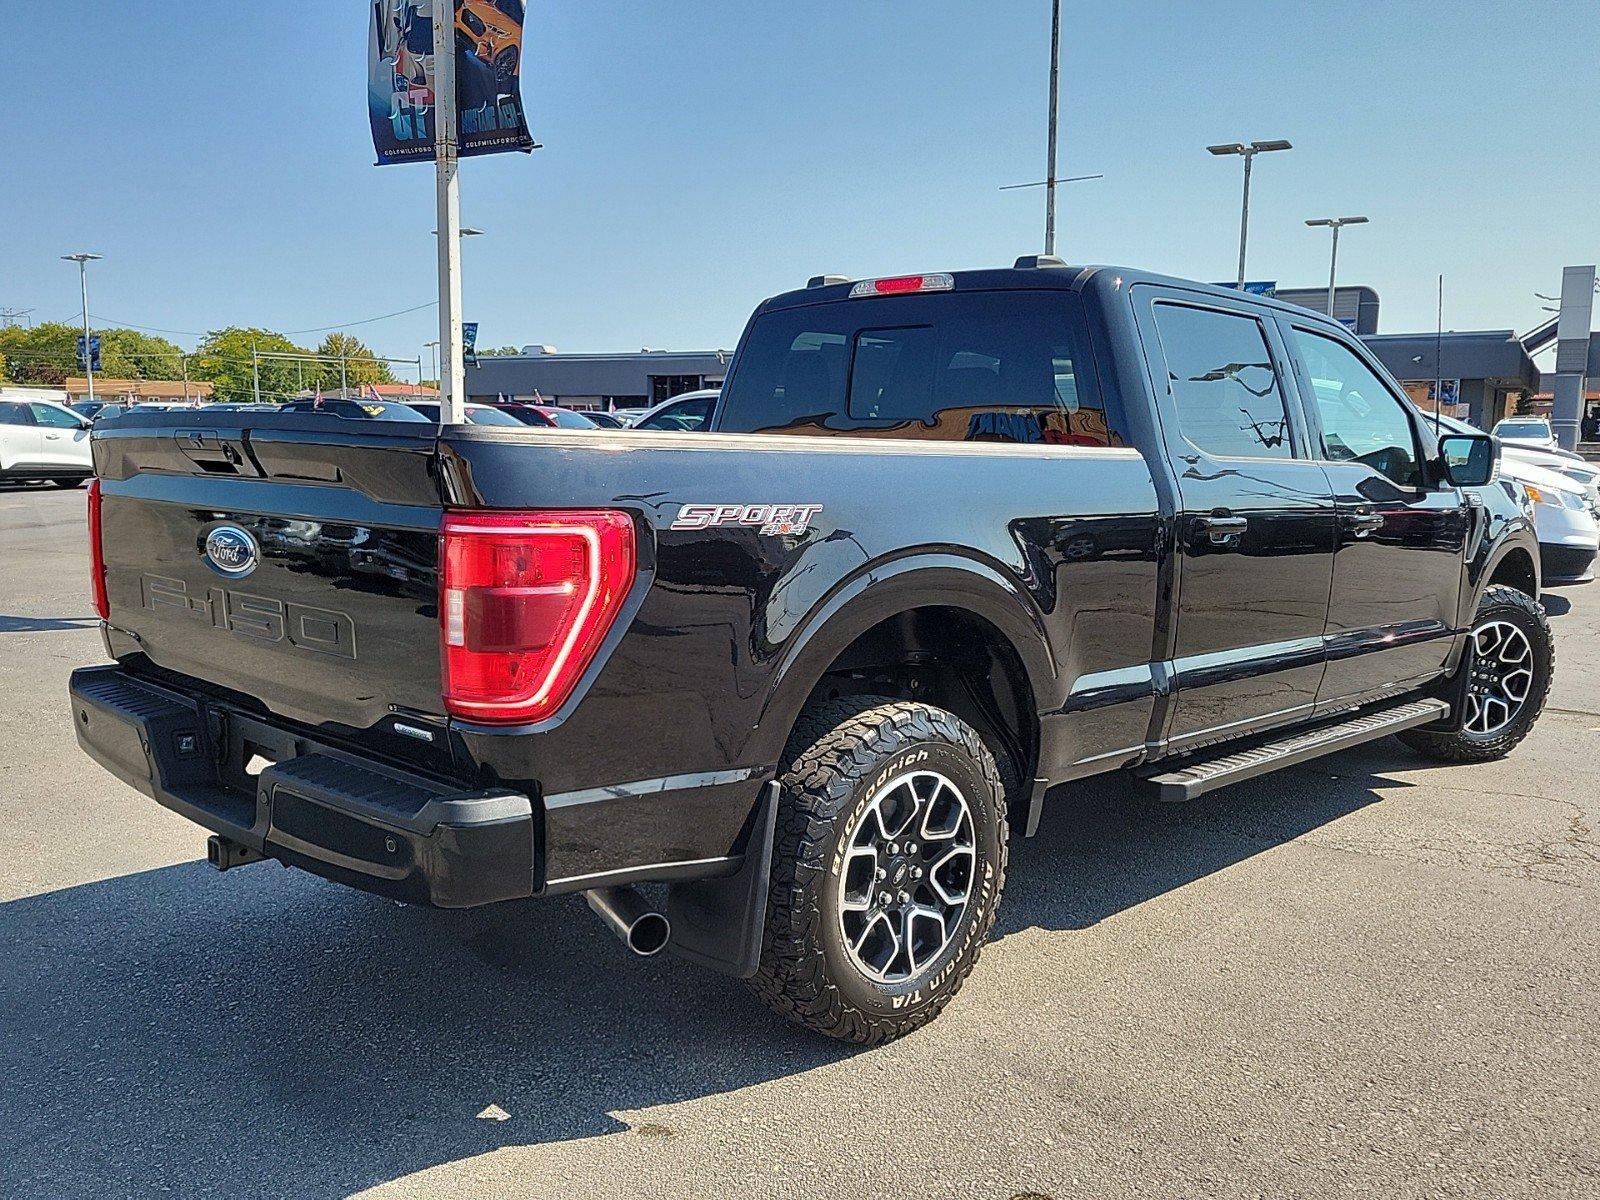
(1335,224)
(344,374)
(1055,103)
(11,315)
(255,373)
(434,346)
(183,361)
(1248,152)
(453,382)
(83,261)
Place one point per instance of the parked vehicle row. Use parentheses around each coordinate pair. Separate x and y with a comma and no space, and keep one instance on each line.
(1566,504)
(43,440)
(945,542)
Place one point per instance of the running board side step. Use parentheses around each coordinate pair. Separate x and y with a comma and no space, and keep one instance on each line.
(1197,778)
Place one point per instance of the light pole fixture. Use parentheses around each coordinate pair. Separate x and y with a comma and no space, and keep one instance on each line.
(1335,224)
(83,260)
(1248,152)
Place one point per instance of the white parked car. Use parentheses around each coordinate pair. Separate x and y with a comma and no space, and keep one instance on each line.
(40,439)
(685,413)
(1526,431)
(1564,508)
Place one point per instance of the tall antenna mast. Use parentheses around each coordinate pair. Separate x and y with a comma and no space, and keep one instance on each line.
(1438,361)
(1055,100)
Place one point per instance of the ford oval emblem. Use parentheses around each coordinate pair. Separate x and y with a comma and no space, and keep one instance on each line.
(232,551)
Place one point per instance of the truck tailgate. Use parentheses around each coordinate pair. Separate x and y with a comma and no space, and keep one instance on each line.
(289,558)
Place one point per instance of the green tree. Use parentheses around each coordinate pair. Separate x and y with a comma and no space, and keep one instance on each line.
(499,352)
(224,358)
(46,355)
(361,365)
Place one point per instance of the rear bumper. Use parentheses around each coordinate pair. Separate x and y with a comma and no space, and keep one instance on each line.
(369,826)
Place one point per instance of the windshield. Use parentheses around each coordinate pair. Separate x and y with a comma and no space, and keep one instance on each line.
(1528,429)
(567,419)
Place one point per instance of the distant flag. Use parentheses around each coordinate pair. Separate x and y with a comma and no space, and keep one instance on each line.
(537,398)
(317,403)
(372,393)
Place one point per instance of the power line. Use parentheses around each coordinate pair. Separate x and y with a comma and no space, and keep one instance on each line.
(104,320)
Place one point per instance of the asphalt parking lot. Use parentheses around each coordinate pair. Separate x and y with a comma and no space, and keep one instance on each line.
(1367,976)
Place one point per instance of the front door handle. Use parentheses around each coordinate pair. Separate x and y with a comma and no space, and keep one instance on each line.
(1222,527)
(1363,523)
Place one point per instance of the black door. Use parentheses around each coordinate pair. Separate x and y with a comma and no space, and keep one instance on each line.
(1397,571)
(1256,521)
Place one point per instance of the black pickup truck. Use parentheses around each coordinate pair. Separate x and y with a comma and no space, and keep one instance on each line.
(952,540)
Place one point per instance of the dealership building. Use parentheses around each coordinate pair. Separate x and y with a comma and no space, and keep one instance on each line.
(540,375)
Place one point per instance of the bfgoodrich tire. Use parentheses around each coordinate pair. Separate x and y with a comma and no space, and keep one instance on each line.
(1514,660)
(888,865)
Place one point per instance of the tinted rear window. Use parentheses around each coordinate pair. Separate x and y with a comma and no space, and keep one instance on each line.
(1000,366)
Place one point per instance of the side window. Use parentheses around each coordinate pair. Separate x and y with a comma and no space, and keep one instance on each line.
(685,417)
(1225,391)
(995,366)
(1362,421)
(13,413)
(54,417)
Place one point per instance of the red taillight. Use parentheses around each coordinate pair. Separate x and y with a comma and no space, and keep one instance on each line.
(97,555)
(525,599)
(900,285)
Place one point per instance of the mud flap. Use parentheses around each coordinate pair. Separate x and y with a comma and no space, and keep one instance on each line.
(718,923)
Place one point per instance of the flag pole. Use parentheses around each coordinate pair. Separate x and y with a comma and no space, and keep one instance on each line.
(453,379)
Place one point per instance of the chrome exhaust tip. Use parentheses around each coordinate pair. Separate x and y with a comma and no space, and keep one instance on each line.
(626,912)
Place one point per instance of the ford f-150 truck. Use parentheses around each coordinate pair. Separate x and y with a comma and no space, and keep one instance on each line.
(776,695)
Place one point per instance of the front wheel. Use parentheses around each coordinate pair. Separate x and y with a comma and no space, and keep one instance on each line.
(887,870)
(1514,658)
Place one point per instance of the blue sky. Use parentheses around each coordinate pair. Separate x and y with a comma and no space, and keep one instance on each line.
(700,156)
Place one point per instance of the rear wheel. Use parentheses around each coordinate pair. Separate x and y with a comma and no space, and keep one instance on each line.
(887,869)
(1514,659)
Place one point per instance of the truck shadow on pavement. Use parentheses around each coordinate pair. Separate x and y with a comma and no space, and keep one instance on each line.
(264,1032)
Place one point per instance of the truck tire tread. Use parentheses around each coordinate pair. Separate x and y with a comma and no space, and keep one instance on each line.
(834,746)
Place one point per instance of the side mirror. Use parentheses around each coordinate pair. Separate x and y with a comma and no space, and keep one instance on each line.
(1468,459)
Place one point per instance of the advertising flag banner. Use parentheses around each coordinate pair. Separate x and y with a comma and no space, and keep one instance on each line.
(469,340)
(488,78)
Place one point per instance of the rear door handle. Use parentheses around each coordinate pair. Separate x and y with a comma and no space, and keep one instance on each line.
(1222,527)
(1363,523)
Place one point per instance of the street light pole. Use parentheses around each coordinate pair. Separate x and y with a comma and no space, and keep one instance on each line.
(1335,224)
(1055,100)
(1248,152)
(83,261)
(453,382)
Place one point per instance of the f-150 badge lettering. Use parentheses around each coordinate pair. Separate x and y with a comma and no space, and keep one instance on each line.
(766,518)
